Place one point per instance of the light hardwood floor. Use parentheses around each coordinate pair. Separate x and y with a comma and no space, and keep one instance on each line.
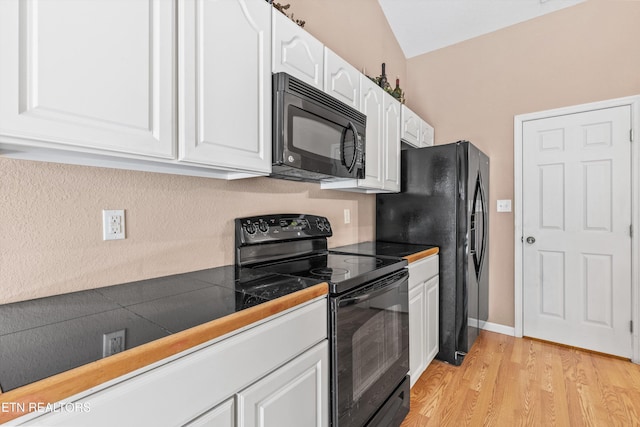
(507,381)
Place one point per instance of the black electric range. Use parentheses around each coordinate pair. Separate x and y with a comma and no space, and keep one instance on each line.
(368,312)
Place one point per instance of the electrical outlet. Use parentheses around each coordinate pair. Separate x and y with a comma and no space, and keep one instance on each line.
(113,342)
(113,224)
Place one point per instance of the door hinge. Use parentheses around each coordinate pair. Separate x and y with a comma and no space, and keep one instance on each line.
(631,230)
(630,135)
(631,326)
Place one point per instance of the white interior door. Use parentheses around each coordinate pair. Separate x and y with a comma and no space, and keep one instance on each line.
(576,219)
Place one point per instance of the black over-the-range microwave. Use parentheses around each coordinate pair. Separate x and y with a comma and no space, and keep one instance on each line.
(315,136)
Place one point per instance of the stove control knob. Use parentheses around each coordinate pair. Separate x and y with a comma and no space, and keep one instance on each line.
(263,226)
(250,229)
(327,226)
(320,224)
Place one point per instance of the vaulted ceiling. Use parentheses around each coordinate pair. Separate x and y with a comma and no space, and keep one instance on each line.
(421,26)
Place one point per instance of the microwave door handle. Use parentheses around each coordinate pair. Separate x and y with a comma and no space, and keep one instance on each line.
(359,162)
(342,147)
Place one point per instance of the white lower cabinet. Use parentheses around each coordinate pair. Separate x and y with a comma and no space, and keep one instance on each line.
(223,415)
(432,291)
(245,379)
(423,314)
(294,395)
(417,332)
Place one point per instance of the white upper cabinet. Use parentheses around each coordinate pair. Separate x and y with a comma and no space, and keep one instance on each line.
(173,86)
(296,52)
(415,131)
(426,134)
(382,150)
(341,79)
(372,106)
(410,131)
(392,116)
(225,84)
(87,75)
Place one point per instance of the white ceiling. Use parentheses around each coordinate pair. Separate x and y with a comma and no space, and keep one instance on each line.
(421,26)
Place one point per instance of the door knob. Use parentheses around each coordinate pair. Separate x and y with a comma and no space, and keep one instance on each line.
(531,240)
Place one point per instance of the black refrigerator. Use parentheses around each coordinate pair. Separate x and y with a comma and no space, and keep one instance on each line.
(444,201)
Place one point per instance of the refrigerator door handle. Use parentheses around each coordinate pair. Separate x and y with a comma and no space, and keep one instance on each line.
(479,201)
(473,233)
(485,224)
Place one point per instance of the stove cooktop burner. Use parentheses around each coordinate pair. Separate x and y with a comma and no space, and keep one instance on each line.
(329,272)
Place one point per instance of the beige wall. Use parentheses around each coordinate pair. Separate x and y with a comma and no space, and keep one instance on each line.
(474,89)
(50,227)
(356,30)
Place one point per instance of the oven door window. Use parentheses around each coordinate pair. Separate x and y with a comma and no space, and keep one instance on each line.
(372,342)
(371,358)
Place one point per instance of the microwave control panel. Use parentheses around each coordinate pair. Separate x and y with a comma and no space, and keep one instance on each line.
(280,227)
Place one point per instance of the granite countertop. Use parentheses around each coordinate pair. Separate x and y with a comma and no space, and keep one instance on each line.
(42,338)
(408,251)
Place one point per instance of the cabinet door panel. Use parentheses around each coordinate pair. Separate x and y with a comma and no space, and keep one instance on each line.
(342,80)
(297,52)
(295,395)
(410,131)
(426,134)
(417,333)
(423,314)
(97,74)
(225,110)
(432,303)
(372,96)
(222,415)
(392,143)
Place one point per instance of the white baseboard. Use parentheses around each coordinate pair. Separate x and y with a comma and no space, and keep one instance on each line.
(501,329)
(493,327)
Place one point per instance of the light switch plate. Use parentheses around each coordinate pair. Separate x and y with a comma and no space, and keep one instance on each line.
(504,205)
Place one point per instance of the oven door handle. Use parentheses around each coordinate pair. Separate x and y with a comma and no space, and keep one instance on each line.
(369,295)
